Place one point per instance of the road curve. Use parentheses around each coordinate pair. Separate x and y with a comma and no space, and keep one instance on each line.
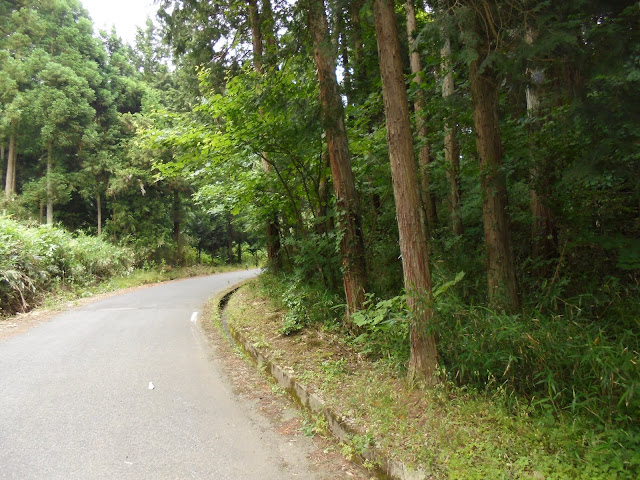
(125,388)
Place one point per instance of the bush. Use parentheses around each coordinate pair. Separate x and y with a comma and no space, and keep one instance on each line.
(385,329)
(304,303)
(35,259)
(570,362)
(581,362)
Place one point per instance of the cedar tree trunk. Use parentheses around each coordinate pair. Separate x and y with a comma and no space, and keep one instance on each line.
(411,223)
(272,224)
(177,225)
(349,226)
(9,188)
(543,233)
(256,35)
(501,272)
(2,160)
(49,187)
(268,28)
(451,148)
(344,55)
(99,206)
(14,162)
(424,157)
(230,240)
(356,43)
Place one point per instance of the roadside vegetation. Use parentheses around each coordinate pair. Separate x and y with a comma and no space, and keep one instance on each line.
(473,428)
(34,261)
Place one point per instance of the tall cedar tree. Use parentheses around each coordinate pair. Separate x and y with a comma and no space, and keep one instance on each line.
(10,184)
(501,271)
(419,105)
(349,223)
(423,361)
(543,235)
(451,147)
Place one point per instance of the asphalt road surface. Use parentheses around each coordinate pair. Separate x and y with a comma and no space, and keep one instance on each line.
(125,388)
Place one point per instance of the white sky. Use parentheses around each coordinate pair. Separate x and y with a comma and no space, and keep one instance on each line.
(124,14)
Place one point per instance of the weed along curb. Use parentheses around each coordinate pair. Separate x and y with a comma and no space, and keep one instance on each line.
(384,468)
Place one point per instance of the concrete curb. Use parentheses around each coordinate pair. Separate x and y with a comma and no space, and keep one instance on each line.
(385,468)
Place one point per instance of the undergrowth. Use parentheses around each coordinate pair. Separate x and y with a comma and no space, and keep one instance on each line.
(34,260)
(304,303)
(574,369)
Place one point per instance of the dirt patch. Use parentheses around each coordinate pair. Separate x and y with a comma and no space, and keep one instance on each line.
(21,323)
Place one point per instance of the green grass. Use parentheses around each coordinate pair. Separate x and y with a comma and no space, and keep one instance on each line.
(539,395)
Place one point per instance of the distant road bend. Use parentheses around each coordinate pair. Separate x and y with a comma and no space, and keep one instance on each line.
(125,388)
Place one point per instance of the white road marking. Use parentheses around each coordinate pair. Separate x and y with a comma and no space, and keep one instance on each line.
(194,317)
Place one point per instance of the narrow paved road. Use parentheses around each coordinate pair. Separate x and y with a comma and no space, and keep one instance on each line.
(76,402)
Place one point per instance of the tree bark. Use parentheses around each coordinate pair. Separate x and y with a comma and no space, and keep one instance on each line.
(349,226)
(357,45)
(451,147)
(324,223)
(419,104)
(344,55)
(14,162)
(49,186)
(256,35)
(269,30)
(501,273)
(323,193)
(230,240)
(273,243)
(2,161)
(543,234)
(99,206)
(423,362)
(9,188)
(114,223)
(177,225)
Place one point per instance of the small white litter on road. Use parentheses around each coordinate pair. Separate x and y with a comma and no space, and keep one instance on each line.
(151,387)
(194,317)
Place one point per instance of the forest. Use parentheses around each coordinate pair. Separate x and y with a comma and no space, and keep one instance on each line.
(455,184)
